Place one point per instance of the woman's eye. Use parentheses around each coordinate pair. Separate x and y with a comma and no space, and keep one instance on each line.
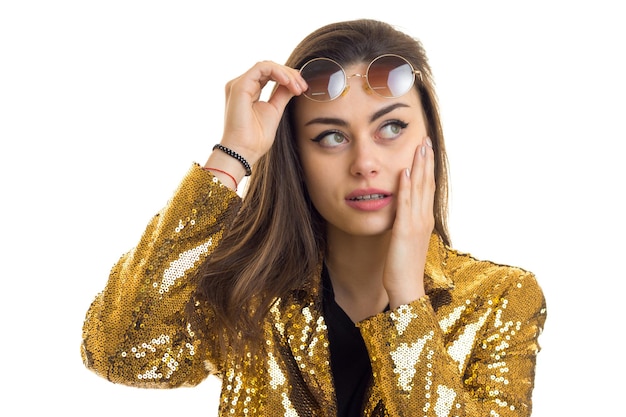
(392,129)
(330,139)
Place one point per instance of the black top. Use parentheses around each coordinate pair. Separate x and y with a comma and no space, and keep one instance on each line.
(350,362)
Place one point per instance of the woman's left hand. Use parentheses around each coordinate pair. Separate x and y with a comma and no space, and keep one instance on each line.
(403,276)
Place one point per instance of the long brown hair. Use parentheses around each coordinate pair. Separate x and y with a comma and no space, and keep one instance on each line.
(274,244)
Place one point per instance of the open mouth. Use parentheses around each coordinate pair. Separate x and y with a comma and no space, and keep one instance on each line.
(368,197)
(368,200)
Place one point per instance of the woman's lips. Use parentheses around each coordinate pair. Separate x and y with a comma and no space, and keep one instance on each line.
(368,199)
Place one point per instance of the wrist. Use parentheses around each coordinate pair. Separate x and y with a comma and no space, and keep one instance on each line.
(235,155)
(216,172)
(404,296)
(228,170)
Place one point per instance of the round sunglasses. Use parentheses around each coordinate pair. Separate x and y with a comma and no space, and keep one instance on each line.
(388,76)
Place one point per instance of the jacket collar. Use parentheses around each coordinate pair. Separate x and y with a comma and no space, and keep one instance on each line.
(435,275)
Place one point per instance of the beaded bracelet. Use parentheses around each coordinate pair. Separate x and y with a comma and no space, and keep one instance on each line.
(235,155)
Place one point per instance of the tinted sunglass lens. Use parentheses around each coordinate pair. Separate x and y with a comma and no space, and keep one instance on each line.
(325,78)
(390,76)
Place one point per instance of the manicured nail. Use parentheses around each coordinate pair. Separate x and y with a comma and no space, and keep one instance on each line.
(429,142)
(423,150)
(407,172)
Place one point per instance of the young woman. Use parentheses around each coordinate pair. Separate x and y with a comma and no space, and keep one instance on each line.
(330,288)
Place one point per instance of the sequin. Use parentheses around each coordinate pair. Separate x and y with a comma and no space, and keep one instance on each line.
(276,374)
(445,400)
(403,317)
(470,353)
(180,266)
(405,358)
(459,350)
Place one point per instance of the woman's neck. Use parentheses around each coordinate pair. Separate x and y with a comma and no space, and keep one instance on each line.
(355,265)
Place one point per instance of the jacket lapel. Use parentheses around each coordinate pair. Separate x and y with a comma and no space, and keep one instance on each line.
(304,330)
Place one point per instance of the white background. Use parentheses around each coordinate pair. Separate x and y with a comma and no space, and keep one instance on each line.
(104,105)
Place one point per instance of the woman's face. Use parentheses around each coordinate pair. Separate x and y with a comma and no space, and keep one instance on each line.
(353,151)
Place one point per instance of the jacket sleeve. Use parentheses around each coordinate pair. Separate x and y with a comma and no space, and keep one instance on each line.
(481,366)
(135,331)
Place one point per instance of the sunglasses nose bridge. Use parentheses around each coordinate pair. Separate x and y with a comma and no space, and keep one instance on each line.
(355,75)
(366,84)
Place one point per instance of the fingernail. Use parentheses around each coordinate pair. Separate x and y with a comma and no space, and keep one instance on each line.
(423,150)
(429,142)
(302,84)
(407,172)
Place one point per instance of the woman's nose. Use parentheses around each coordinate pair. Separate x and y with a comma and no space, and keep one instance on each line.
(365,159)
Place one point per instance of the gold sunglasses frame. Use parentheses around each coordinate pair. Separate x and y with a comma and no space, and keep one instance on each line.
(346,86)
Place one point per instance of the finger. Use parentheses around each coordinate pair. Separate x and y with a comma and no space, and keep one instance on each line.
(417,171)
(281,75)
(422,176)
(252,82)
(280,98)
(403,201)
(422,187)
(428,177)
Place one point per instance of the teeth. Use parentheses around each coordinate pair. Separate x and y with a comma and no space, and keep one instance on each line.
(369,197)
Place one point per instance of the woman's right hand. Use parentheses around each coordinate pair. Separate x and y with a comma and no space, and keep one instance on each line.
(249,123)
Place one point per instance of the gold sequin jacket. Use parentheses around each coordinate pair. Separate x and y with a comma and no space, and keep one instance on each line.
(467,348)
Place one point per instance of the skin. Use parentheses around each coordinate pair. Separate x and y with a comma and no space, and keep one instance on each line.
(375,257)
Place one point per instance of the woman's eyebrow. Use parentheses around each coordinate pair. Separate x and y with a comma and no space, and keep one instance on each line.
(385,110)
(327,121)
(340,122)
